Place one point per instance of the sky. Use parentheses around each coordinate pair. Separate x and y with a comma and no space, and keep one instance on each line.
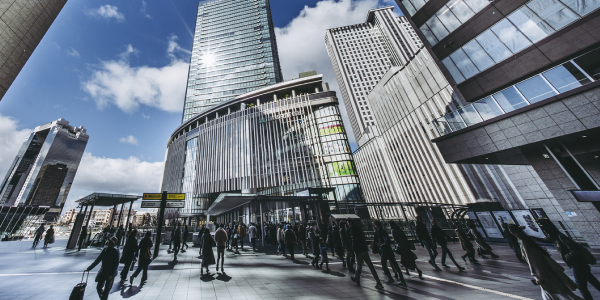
(119,69)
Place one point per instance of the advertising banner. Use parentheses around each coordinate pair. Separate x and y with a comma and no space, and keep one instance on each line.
(490,227)
(525,218)
(503,217)
(341,168)
(477,223)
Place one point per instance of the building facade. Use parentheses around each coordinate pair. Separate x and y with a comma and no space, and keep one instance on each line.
(527,75)
(275,141)
(23,24)
(234,52)
(45,166)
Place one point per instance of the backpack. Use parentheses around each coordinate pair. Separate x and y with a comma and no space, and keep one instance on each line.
(580,251)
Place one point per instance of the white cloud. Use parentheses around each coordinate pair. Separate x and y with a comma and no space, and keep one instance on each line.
(106,12)
(10,143)
(144,11)
(129,140)
(310,27)
(145,116)
(173,47)
(73,52)
(117,82)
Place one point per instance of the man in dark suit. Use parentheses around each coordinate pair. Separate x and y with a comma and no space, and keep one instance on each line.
(110,263)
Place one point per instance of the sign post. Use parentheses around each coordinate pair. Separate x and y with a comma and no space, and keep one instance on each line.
(161,222)
(163,201)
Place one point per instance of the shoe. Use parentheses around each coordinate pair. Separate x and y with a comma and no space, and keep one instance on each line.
(131,280)
(446,266)
(401,283)
(379,286)
(495,256)
(355,280)
(464,257)
(476,262)
(420,273)
(461,268)
(431,263)
(143,282)
(389,280)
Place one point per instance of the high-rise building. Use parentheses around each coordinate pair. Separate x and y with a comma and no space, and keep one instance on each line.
(23,24)
(234,52)
(45,166)
(525,75)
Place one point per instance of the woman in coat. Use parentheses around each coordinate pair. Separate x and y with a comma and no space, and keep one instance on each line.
(555,284)
(130,252)
(315,240)
(208,256)
(483,246)
(407,257)
(466,245)
(145,257)
(49,239)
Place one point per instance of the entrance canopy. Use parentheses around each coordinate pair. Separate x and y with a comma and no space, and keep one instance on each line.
(101,199)
(227,202)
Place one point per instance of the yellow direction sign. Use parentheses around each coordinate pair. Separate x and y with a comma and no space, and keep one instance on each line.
(152,197)
(175,196)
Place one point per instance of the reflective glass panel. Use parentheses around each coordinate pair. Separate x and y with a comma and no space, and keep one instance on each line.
(470,115)
(510,36)
(477,5)
(455,121)
(510,99)
(460,9)
(535,89)
(493,46)
(428,34)
(530,24)
(590,63)
(464,64)
(442,126)
(553,12)
(566,77)
(582,7)
(478,55)
(437,28)
(453,70)
(448,19)
(488,108)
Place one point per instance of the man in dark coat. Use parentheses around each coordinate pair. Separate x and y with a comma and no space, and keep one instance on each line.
(130,252)
(347,244)
(120,235)
(513,242)
(82,237)
(110,263)
(176,241)
(290,240)
(38,235)
(361,249)
(440,237)
(426,242)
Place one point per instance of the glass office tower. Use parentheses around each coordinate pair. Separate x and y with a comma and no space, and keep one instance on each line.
(234,52)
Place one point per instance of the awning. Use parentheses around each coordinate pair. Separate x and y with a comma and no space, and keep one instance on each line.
(344,216)
(101,199)
(229,201)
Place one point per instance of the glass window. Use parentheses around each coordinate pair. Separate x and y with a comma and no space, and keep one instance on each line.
(477,5)
(566,77)
(530,24)
(453,70)
(470,115)
(478,55)
(553,12)
(448,18)
(590,63)
(582,7)
(493,46)
(455,121)
(535,89)
(510,99)
(488,108)
(442,126)
(510,36)
(460,9)
(437,28)
(464,64)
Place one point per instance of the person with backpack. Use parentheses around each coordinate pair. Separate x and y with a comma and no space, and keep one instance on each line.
(145,258)
(110,265)
(577,257)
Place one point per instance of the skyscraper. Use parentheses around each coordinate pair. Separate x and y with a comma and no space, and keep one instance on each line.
(45,166)
(23,24)
(234,52)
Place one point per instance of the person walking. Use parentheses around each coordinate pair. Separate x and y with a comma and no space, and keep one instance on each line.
(361,250)
(547,273)
(39,233)
(220,240)
(407,257)
(130,252)
(253,235)
(302,239)
(110,264)
(315,240)
(241,235)
(176,241)
(382,240)
(228,232)
(513,242)
(266,234)
(120,234)
(574,255)
(208,256)
(171,239)
(290,241)
(184,237)
(347,244)
(82,237)
(145,258)
(426,242)
(482,246)
(324,257)
(440,237)
(280,240)
(465,244)
(49,238)
(337,243)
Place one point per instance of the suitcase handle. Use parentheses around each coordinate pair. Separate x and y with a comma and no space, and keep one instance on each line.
(86,280)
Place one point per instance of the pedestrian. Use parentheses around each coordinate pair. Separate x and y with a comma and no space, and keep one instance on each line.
(266,234)
(574,255)
(513,242)
(208,256)
(273,234)
(302,239)
(361,250)
(403,245)
(176,241)
(171,238)
(221,241)
(315,237)
(280,240)
(324,258)
(337,243)
(465,244)
(38,235)
(82,237)
(440,237)
(329,240)
(145,258)
(110,264)
(426,242)
(382,240)
(200,235)
(482,246)
(130,252)
(241,235)
(49,238)
(184,237)
(547,273)
(290,241)
(253,235)
(120,234)
(347,244)
(228,231)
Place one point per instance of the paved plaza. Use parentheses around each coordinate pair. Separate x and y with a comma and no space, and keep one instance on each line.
(52,273)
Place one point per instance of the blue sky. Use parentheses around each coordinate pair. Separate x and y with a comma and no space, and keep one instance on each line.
(119,67)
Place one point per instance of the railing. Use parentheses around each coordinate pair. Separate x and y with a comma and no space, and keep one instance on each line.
(572,74)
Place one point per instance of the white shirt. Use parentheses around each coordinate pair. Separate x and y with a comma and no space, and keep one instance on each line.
(280,236)
(252,232)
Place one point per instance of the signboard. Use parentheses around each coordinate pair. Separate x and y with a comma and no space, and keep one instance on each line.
(156,204)
(175,196)
(152,197)
(490,227)
(158,196)
(503,217)
(150,204)
(525,218)
(477,224)
(175,204)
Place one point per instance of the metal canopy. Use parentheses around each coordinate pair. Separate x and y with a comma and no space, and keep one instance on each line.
(101,199)
(227,202)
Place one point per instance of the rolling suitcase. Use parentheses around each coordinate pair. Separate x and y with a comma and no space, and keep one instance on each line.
(79,290)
